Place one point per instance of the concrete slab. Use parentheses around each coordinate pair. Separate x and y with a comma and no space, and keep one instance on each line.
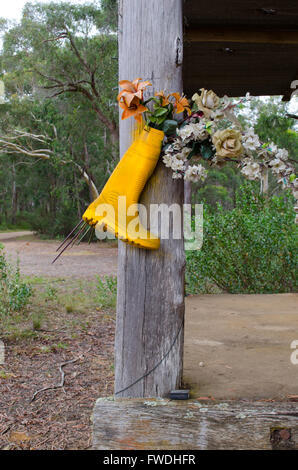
(239,346)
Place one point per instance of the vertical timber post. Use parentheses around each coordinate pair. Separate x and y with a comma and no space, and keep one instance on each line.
(150,305)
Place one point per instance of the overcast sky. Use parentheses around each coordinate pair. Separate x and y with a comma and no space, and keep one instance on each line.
(12,9)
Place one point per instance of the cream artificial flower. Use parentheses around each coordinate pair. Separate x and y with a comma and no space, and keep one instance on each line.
(277,165)
(195,173)
(176,176)
(167,159)
(250,140)
(207,101)
(251,170)
(227,143)
(183,154)
(282,154)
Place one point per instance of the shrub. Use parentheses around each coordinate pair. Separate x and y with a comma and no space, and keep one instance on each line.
(250,249)
(14,292)
(107,291)
(58,225)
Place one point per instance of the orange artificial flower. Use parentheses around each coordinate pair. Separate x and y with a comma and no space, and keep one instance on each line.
(131,90)
(165,99)
(134,109)
(181,103)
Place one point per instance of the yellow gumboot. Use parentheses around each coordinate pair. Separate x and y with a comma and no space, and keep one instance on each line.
(128,179)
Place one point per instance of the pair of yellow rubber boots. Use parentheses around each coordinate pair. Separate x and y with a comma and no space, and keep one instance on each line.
(116,208)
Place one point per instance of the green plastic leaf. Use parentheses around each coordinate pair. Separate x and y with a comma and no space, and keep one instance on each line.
(195,150)
(207,151)
(169,126)
(160,112)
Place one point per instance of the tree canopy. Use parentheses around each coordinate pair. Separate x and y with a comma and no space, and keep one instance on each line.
(59,116)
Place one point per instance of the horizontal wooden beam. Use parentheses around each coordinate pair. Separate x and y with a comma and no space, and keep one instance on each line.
(237,35)
(278,13)
(233,68)
(154,424)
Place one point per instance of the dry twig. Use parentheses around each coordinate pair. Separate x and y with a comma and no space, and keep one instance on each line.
(61,384)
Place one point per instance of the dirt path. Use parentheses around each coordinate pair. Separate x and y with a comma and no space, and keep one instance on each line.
(11,235)
(80,262)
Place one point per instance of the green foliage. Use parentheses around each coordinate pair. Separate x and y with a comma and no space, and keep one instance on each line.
(14,292)
(107,291)
(249,249)
(75,48)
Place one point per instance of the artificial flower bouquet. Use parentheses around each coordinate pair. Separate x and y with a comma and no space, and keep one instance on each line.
(208,133)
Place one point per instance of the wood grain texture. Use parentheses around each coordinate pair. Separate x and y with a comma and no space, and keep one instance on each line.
(164,425)
(150,305)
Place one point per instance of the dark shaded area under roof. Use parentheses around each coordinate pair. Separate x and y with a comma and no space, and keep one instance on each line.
(237,46)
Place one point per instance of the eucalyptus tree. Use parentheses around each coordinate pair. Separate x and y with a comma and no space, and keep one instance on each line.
(59,65)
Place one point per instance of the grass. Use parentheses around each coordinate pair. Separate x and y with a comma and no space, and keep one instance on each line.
(65,319)
(14,228)
(66,303)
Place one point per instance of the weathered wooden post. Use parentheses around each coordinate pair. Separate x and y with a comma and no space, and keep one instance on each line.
(150,307)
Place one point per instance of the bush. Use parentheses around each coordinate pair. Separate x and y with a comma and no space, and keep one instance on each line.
(14,293)
(250,249)
(107,291)
(52,226)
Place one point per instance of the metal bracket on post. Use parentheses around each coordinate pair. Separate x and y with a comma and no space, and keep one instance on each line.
(179,52)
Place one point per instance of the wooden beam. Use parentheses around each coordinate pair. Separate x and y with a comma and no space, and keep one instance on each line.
(234,68)
(277,13)
(150,306)
(137,424)
(236,35)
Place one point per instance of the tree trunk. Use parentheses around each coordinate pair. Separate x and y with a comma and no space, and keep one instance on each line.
(264,181)
(150,306)
(14,196)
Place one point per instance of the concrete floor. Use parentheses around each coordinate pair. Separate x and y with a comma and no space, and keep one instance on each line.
(239,346)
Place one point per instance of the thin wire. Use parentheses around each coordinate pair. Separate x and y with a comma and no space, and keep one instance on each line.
(69,235)
(85,233)
(73,240)
(157,365)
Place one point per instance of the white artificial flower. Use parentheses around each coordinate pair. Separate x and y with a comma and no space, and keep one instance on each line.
(177,164)
(250,140)
(175,147)
(193,131)
(284,182)
(176,176)
(195,173)
(277,165)
(296,183)
(217,115)
(226,101)
(183,154)
(185,133)
(251,170)
(167,159)
(282,154)
(272,148)
(247,96)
